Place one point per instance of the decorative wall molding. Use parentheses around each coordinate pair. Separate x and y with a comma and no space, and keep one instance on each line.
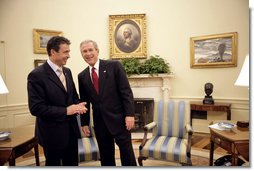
(18,115)
(15,116)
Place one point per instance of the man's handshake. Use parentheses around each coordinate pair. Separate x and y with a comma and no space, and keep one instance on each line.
(77,109)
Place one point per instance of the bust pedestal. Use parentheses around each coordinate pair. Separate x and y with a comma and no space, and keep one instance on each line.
(208,100)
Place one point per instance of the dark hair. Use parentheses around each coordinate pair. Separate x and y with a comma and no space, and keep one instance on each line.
(55,42)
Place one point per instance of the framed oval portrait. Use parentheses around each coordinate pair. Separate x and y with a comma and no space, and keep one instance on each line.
(127,36)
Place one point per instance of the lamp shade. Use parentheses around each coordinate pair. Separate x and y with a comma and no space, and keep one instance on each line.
(3,88)
(243,78)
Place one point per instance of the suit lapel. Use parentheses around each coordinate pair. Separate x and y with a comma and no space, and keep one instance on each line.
(89,82)
(53,77)
(68,81)
(102,76)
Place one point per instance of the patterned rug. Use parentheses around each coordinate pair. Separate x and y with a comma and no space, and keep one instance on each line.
(199,157)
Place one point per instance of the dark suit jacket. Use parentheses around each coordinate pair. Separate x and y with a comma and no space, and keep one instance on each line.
(115,99)
(48,101)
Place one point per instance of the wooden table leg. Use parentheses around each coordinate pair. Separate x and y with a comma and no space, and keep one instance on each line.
(234,156)
(211,153)
(36,153)
(12,159)
(234,160)
(4,156)
(228,114)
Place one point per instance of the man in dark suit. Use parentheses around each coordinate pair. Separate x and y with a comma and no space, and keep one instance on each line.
(112,104)
(53,99)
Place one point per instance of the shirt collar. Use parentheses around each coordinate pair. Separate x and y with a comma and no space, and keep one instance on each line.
(53,66)
(96,66)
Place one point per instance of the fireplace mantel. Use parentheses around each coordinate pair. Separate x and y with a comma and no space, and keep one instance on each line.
(161,81)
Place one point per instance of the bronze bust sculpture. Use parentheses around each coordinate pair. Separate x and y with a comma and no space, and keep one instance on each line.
(208,90)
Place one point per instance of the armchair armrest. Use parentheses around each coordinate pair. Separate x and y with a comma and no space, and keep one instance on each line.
(190,132)
(146,129)
(189,129)
(149,126)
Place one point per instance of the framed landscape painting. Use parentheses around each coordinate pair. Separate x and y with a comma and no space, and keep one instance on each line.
(219,50)
(41,38)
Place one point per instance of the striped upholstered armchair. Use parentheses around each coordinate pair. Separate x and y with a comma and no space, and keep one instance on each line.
(87,146)
(171,136)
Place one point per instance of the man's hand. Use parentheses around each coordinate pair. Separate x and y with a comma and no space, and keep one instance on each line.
(86,131)
(77,108)
(129,122)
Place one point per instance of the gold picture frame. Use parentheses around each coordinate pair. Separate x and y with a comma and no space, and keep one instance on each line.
(218,50)
(38,62)
(41,37)
(127,36)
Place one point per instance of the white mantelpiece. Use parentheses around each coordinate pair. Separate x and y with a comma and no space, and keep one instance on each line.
(147,86)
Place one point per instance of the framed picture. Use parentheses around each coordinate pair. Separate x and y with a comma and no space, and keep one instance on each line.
(38,62)
(41,38)
(127,36)
(219,50)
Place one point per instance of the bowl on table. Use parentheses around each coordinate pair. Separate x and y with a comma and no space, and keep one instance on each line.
(226,125)
(4,135)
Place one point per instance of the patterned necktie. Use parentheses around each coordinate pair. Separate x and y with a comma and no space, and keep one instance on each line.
(62,78)
(95,80)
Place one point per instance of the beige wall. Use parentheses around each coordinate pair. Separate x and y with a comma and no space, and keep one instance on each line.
(170,24)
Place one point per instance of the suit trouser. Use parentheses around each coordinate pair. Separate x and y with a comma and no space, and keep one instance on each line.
(107,146)
(63,157)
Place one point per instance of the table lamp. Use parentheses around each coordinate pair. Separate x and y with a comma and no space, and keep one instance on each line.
(3,88)
(243,80)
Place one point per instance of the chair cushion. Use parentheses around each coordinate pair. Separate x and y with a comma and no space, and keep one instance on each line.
(166,148)
(88,149)
(171,118)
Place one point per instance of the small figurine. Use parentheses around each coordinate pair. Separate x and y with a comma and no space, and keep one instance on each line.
(208,90)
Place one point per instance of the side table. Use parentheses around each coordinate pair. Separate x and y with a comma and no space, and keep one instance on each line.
(218,107)
(235,141)
(21,141)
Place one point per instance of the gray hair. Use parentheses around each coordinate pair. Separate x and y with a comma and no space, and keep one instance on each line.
(90,41)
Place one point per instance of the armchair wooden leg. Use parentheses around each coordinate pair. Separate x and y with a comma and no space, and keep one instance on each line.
(186,164)
(140,160)
(189,163)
